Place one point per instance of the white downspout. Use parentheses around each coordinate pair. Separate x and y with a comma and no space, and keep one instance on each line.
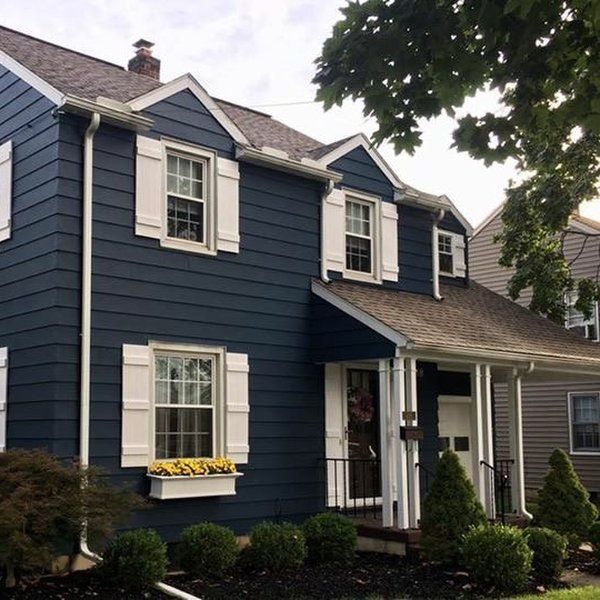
(86,316)
(435,254)
(328,190)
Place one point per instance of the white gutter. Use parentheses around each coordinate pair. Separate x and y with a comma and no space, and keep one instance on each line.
(86,315)
(327,191)
(435,254)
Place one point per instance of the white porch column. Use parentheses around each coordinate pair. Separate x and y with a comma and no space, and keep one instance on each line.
(398,408)
(515,429)
(414,488)
(385,430)
(488,439)
(477,428)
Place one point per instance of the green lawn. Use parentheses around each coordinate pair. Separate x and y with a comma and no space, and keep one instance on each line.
(578,593)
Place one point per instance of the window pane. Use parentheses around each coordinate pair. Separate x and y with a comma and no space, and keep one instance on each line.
(446,263)
(171,164)
(183,432)
(358,218)
(175,368)
(205,370)
(191,393)
(358,254)
(172,184)
(161,392)
(586,436)
(197,171)
(161,367)
(206,393)
(586,409)
(445,243)
(185,219)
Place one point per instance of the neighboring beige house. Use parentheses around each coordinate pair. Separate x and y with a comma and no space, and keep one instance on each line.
(563,413)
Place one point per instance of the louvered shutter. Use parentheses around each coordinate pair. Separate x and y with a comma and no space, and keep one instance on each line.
(148,187)
(228,205)
(5,190)
(237,407)
(3,396)
(135,434)
(334,230)
(458,255)
(389,241)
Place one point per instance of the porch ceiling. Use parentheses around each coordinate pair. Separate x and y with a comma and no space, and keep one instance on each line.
(469,321)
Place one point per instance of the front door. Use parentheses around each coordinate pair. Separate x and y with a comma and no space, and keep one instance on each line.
(362,434)
(454,422)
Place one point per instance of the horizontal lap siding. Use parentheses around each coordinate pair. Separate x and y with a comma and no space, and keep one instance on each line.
(256,302)
(28,266)
(414,243)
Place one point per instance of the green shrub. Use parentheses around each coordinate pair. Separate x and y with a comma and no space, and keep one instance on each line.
(277,547)
(497,556)
(207,549)
(549,549)
(594,537)
(330,537)
(450,509)
(134,560)
(42,504)
(563,502)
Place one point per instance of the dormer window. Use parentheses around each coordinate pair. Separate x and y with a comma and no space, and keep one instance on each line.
(445,253)
(451,254)
(359,236)
(576,321)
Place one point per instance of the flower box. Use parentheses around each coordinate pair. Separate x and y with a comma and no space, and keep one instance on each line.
(184,486)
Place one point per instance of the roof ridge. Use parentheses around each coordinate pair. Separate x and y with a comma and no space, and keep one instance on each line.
(258,112)
(95,58)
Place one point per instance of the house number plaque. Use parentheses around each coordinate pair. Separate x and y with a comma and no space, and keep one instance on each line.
(409,415)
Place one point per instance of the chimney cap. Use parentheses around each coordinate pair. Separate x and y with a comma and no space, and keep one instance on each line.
(142,43)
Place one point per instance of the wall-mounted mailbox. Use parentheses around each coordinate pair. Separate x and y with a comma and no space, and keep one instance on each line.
(411,433)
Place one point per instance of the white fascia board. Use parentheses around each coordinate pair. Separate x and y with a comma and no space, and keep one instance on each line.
(29,77)
(360,315)
(188,82)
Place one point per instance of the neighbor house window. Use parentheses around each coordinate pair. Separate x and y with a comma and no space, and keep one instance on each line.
(184,404)
(585,421)
(576,321)
(445,253)
(187,198)
(359,236)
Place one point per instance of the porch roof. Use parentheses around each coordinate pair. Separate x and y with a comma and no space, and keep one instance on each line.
(471,320)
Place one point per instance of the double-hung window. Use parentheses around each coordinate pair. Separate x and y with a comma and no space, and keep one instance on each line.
(445,253)
(585,421)
(359,236)
(185,389)
(576,321)
(187,199)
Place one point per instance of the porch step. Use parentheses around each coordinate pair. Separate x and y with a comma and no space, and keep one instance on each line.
(411,538)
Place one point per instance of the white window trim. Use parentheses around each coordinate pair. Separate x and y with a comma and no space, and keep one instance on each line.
(375,276)
(450,235)
(570,417)
(595,315)
(209,246)
(219,409)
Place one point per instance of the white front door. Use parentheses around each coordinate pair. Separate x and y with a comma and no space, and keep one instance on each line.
(454,423)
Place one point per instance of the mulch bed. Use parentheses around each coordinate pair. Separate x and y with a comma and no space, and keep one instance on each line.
(583,561)
(371,576)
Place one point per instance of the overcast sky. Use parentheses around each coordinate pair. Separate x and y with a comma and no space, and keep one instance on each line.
(258,53)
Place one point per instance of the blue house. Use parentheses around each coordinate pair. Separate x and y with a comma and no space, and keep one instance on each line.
(184,277)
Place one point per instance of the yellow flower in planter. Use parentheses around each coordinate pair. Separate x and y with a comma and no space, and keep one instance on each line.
(192,467)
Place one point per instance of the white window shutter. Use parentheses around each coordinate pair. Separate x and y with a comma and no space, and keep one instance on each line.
(228,205)
(237,407)
(458,255)
(389,241)
(334,433)
(3,396)
(334,244)
(5,190)
(135,433)
(149,187)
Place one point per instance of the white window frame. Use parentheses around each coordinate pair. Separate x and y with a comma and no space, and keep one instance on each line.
(374,204)
(570,300)
(187,350)
(450,236)
(572,449)
(209,160)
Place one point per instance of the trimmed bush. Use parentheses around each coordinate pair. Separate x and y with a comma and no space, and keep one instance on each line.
(276,547)
(549,548)
(207,549)
(594,538)
(563,502)
(497,556)
(450,509)
(134,560)
(330,537)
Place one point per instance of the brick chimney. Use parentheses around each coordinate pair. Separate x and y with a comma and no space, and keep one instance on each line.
(143,62)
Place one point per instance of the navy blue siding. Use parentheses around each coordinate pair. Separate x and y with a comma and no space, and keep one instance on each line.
(29,317)
(257,302)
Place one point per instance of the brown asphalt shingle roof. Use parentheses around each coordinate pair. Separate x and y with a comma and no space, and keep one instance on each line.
(87,77)
(468,318)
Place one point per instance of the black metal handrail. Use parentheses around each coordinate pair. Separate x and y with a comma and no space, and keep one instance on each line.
(353,485)
(502,484)
(428,475)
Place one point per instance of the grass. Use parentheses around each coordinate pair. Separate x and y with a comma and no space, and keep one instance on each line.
(578,593)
